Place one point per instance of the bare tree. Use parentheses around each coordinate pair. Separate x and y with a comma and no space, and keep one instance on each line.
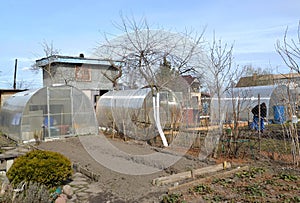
(221,69)
(141,50)
(239,104)
(22,84)
(49,50)
(290,50)
(222,72)
(249,70)
(113,78)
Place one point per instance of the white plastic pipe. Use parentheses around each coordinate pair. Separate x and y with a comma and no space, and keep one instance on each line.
(157,120)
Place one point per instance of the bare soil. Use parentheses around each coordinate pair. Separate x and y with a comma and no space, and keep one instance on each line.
(265,181)
(119,187)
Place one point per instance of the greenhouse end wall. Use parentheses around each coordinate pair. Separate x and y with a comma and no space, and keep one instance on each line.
(47,113)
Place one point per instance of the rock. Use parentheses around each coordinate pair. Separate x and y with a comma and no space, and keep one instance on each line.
(79,183)
(62,198)
(67,189)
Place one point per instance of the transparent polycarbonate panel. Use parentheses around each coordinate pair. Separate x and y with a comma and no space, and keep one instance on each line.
(131,111)
(84,118)
(48,112)
(11,115)
(114,105)
(242,100)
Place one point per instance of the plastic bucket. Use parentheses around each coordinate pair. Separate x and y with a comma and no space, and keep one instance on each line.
(279,116)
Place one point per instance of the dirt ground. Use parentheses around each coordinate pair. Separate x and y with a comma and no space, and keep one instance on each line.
(119,186)
(264,181)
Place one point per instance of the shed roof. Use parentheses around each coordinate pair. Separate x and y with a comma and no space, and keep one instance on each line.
(70,60)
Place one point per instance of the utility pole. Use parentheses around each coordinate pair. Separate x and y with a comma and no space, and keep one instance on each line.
(15,74)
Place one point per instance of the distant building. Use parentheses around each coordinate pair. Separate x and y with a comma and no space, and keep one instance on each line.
(193,82)
(194,87)
(198,103)
(6,93)
(269,79)
(83,73)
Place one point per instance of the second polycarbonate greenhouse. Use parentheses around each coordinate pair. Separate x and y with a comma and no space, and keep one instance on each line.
(278,98)
(132,112)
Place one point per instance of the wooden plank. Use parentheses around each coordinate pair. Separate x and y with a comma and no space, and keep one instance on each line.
(190,174)
(172,178)
(201,180)
(211,169)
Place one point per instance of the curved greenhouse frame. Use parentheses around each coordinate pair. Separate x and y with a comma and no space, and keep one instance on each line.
(139,113)
(242,100)
(48,112)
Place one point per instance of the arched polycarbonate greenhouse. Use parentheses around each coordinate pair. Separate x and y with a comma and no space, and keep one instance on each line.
(242,100)
(141,113)
(48,112)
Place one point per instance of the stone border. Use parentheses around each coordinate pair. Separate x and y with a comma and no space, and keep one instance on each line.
(78,168)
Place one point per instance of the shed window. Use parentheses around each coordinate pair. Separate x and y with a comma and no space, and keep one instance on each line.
(82,73)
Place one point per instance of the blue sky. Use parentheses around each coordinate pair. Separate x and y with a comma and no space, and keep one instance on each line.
(76,27)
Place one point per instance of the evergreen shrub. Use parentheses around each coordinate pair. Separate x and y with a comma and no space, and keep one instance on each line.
(44,167)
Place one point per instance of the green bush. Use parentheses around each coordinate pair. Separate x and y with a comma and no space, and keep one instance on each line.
(172,198)
(44,167)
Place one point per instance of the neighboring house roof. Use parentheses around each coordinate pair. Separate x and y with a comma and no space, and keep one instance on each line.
(190,79)
(12,90)
(268,79)
(70,60)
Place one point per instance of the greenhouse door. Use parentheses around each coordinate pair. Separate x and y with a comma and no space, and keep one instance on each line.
(59,111)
